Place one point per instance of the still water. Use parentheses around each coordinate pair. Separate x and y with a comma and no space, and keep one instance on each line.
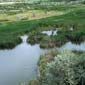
(20,64)
(73,47)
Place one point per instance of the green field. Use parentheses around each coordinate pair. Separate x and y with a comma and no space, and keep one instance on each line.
(11,30)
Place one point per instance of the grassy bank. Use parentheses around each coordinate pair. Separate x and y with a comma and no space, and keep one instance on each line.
(70,28)
(9,42)
(9,31)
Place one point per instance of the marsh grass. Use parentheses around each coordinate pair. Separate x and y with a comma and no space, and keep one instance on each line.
(15,29)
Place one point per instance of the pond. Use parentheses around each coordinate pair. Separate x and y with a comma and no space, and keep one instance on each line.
(19,64)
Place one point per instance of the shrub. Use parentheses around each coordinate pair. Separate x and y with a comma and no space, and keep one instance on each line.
(66,69)
(34,82)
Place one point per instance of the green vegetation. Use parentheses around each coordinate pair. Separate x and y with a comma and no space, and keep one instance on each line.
(34,82)
(64,23)
(68,18)
(73,19)
(9,42)
(62,69)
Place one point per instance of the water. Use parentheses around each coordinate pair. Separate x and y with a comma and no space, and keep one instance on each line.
(73,47)
(49,33)
(19,64)
(69,45)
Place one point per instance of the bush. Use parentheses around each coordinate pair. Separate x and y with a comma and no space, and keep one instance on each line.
(66,69)
(34,82)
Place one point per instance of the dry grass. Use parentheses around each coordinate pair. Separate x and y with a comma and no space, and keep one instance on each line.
(29,15)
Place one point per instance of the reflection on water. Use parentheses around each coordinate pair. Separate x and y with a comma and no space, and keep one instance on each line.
(73,47)
(24,38)
(49,33)
(19,64)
